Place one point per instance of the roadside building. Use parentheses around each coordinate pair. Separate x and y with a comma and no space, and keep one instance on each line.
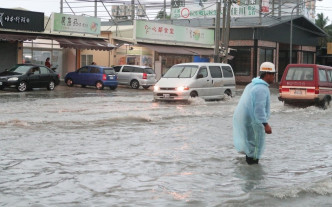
(29,37)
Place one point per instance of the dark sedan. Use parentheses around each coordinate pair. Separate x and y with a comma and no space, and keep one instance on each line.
(27,76)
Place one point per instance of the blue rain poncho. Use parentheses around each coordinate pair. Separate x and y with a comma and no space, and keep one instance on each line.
(251,112)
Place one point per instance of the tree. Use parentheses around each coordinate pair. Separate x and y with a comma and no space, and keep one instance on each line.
(161,13)
(321,22)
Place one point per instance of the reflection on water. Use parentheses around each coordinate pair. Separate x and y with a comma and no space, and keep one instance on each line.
(251,175)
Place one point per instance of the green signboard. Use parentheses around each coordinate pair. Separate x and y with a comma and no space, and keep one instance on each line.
(77,24)
(174,33)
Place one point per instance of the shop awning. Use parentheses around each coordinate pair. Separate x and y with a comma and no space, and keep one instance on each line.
(83,43)
(17,37)
(168,49)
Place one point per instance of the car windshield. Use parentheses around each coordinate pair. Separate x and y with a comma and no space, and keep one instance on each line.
(20,69)
(109,71)
(300,73)
(181,71)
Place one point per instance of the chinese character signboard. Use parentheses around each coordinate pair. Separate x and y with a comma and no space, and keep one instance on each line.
(77,24)
(265,6)
(21,20)
(166,32)
(209,11)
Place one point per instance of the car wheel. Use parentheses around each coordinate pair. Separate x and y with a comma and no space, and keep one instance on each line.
(22,86)
(228,92)
(193,94)
(51,86)
(134,84)
(69,82)
(99,85)
(325,103)
(113,87)
(146,87)
(2,87)
(83,86)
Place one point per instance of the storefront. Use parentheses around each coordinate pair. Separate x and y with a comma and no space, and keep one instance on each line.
(62,45)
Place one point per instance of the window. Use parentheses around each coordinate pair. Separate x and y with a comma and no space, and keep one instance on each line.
(329,75)
(44,70)
(203,71)
(241,63)
(83,70)
(117,68)
(109,71)
(94,70)
(149,71)
(127,69)
(227,71)
(215,71)
(308,57)
(178,71)
(298,73)
(138,70)
(322,75)
(265,55)
(86,60)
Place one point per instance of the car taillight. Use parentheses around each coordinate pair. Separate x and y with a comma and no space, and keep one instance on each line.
(145,76)
(58,76)
(317,90)
(310,90)
(283,90)
(104,77)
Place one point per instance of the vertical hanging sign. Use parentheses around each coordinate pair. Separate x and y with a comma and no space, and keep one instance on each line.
(265,6)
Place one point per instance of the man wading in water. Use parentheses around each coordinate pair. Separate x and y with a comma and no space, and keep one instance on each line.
(250,120)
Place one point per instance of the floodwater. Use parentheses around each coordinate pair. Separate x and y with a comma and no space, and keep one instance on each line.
(82,147)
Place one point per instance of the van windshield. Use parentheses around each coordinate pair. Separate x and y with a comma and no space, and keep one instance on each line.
(300,73)
(181,71)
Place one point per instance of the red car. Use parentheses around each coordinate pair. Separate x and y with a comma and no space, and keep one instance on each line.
(306,83)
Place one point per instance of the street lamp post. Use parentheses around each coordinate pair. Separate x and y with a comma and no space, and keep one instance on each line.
(291,30)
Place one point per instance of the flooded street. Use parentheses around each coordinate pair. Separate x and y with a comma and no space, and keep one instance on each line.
(82,147)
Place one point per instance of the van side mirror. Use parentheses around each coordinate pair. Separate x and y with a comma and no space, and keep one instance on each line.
(199,76)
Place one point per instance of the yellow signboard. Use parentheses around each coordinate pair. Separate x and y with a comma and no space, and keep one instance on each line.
(329,48)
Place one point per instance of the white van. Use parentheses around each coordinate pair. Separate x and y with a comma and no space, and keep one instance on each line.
(205,80)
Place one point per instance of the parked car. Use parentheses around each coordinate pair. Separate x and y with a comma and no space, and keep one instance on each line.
(135,76)
(93,75)
(27,76)
(206,80)
(306,83)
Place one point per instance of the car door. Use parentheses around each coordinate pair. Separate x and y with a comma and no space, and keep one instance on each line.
(34,77)
(124,76)
(45,77)
(93,76)
(203,82)
(217,80)
(81,76)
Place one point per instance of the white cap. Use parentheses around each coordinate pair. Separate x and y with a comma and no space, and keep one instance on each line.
(267,67)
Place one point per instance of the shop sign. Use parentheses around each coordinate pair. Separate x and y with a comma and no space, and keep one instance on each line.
(209,11)
(167,32)
(21,20)
(76,24)
(265,6)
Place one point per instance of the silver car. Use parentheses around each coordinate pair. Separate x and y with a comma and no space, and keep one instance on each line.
(135,76)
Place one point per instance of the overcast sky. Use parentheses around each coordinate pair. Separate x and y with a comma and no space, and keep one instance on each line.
(49,6)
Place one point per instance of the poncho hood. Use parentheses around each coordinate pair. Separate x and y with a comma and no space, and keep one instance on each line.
(258,80)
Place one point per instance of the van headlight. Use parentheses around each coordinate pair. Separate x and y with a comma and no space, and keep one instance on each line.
(13,79)
(156,88)
(182,88)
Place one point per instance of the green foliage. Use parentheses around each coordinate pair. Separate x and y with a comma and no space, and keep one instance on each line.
(321,21)
(161,13)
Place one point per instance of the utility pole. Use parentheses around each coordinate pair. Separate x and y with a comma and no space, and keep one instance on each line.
(61,6)
(227,30)
(217,34)
(95,8)
(132,10)
(164,9)
(224,11)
